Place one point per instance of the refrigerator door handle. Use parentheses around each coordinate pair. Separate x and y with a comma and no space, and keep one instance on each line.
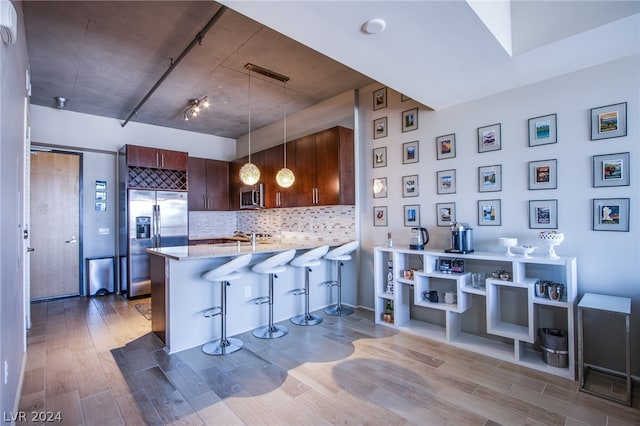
(156,225)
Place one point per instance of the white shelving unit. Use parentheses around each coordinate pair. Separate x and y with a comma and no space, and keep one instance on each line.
(513,312)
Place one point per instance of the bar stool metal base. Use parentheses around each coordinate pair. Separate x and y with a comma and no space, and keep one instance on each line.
(338,310)
(222,347)
(306,319)
(267,332)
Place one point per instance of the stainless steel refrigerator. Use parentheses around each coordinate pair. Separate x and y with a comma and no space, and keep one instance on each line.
(154,219)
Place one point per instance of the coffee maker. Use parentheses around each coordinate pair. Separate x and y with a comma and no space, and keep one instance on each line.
(419,238)
(461,238)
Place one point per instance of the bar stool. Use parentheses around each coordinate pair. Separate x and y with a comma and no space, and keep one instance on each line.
(338,256)
(307,261)
(272,266)
(224,273)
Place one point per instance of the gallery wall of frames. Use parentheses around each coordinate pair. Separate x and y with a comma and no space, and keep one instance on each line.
(561,154)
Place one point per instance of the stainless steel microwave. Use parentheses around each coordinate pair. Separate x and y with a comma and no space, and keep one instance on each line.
(252,197)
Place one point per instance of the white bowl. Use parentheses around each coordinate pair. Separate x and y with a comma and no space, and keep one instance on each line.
(524,250)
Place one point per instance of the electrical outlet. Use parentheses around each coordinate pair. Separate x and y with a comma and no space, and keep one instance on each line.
(247,291)
(6,372)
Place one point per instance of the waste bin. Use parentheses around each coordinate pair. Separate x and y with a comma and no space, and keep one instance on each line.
(555,347)
(100,275)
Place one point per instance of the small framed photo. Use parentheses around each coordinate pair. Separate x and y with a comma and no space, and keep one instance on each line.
(410,152)
(380,128)
(380,216)
(490,178)
(543,174)
(489,213)
(410,186)
(609,121)
(412,215)
(489,138)
(380,157)
(543,130)
(380,98)
(611,214)
(446,146)
(445,213)
(410,120)
(446,180)
(380,187)
(611,170)
(101,195)
(543,214)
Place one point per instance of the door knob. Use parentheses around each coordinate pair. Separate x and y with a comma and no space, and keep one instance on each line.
(29,249)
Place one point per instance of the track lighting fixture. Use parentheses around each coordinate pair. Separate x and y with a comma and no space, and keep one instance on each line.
(194,108)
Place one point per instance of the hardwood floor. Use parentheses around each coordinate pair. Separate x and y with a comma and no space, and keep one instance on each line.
(96,362)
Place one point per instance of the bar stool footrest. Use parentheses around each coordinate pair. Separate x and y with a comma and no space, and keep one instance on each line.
(261,300)
(298,291)
(212,312)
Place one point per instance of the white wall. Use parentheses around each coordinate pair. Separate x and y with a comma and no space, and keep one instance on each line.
(607,261)
(71,129)
(13,66)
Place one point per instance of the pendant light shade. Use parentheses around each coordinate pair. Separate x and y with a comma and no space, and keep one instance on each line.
(285,176)
(249,172)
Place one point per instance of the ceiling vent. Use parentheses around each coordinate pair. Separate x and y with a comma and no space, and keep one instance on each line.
(8,22)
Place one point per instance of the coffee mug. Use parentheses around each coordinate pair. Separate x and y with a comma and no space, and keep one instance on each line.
(450,297)
(433,296)
(408,274)
(555,291)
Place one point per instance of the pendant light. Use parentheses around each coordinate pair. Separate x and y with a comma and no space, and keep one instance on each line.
(285,176)
(249,172)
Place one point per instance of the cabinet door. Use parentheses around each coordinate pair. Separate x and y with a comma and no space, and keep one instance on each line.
(217,193)
(234,183)
(273,158)
(327,167)
(305,170)
(197,180)
(347,167)
(140,156)
(172,160)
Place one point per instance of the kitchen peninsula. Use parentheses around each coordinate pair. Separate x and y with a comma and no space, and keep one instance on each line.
(180,296)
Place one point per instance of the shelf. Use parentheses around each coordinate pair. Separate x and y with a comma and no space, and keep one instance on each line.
(513,312)
(388,296)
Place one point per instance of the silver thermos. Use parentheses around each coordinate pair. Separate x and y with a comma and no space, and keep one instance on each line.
(461,238)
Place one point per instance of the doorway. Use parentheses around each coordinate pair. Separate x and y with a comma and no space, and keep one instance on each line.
(55,200)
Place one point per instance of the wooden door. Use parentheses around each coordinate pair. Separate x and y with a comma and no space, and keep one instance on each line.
(55,224)
(327,167)
(305,170)
(217,185)
(197,181)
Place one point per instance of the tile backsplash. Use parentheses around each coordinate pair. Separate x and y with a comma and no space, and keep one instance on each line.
(318,222)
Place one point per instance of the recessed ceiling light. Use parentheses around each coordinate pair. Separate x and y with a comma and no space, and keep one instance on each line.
(374,26)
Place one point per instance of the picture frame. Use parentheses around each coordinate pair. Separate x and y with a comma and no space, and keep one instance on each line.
(410,152)
(380,187)
(445,214)
(490,138)
(412,215)
(446,181)
(543,214)
(543,174)
(380,98)
(446,146)
(410,186)
(611,214)
(490,212)
(543,130)
(410,120)
(611,170)
(490,178)
(380,216)
(380,128)
(380,157)
(609,121)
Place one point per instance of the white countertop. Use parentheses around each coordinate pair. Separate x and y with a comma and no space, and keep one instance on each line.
(207,251)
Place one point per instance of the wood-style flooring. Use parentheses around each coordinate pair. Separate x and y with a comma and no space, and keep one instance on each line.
(96,362)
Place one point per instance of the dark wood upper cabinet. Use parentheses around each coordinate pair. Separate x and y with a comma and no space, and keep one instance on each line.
(324,168)
(141,156)
(208,184)
(275,195)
